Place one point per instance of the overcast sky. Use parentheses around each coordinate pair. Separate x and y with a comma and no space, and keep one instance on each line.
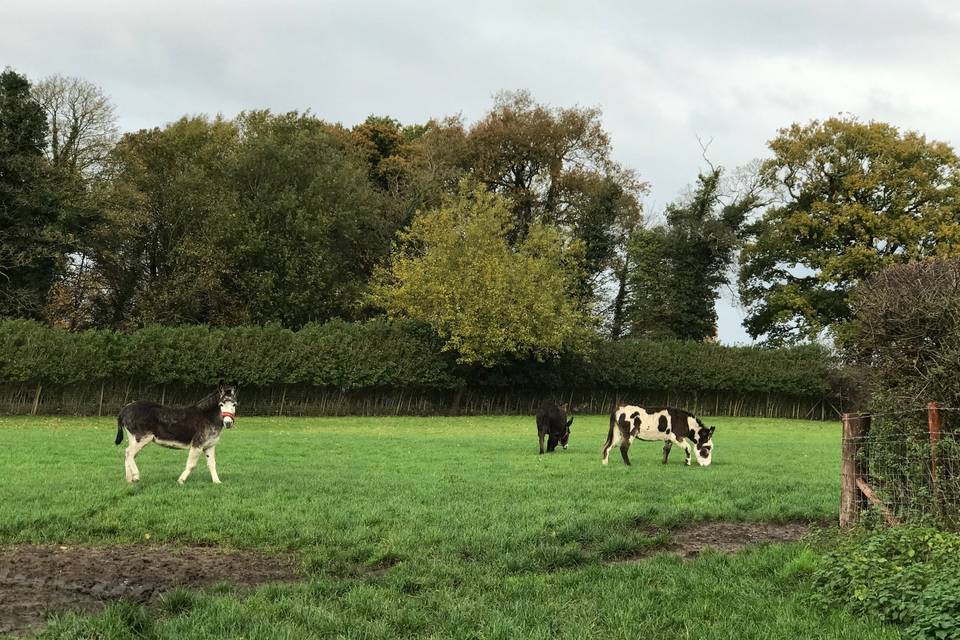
(663,72)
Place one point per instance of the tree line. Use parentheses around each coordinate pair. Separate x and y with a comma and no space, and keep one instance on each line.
(513,236)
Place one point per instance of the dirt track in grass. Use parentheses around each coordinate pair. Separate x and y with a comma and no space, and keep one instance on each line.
(730,537)
(38,580)
(727,537)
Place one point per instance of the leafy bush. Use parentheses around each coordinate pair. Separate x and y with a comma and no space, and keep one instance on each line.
(905,339)
(905,334)
(909,576)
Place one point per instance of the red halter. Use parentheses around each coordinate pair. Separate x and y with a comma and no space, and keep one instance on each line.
(227,414)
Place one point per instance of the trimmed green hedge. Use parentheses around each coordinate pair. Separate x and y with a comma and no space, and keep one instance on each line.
(385,354)
(336,354)
(677,366)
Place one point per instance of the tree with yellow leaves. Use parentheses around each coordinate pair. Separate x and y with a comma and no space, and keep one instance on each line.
(851,198)
(490,300)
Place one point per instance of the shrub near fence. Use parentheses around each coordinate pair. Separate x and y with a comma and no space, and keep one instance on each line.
(388,367)
(905,337)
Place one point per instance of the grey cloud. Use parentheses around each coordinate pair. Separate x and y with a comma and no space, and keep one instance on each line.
(664,72)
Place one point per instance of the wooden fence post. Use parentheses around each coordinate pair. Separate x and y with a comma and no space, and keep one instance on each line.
(933,426)
(36,400)
(855,426)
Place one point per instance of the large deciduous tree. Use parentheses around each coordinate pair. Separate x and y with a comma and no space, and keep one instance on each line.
(160,250)
(853,197)
(81,131)
(679,266)
(414,166)
(82,123)
(269,217)
(32,241)
(555,166)
(491,300)
(310,226)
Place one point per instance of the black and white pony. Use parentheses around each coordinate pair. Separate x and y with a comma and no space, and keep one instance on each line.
(196,427)
(673,426)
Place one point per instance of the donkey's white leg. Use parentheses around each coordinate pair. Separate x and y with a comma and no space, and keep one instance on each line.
(130,455)
(192,458)
(127,471)
(211,454)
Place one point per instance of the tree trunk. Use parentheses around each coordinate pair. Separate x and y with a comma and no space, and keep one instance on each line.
(616,324)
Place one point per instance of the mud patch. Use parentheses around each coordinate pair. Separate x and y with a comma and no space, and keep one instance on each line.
(727,537)
(36,581)
(730,537)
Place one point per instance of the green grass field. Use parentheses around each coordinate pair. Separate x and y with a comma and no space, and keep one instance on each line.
(485,538)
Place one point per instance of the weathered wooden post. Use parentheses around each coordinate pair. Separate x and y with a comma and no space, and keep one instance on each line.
(36,400)
(855,427)
(933,426)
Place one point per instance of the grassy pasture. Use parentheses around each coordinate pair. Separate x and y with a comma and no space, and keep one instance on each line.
(485,539)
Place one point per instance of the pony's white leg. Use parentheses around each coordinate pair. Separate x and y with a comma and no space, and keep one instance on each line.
(211,454)
(607,446)
(686,450)
(192,458)
(667,445)
(130,455)
(624,448)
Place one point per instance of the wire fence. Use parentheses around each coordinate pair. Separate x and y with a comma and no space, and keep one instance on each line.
(903,465)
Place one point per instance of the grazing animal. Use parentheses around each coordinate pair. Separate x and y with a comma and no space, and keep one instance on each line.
(673,426)
(552,422)
(196,427)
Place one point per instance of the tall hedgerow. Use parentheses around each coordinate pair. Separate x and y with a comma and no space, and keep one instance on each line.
(391,354)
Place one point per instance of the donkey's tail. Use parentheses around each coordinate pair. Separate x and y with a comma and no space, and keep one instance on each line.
(119,430)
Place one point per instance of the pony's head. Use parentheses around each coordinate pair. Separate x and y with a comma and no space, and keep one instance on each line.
(565,438)
(704,446)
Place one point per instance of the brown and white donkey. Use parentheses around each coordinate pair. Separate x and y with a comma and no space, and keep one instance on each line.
(196,427)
